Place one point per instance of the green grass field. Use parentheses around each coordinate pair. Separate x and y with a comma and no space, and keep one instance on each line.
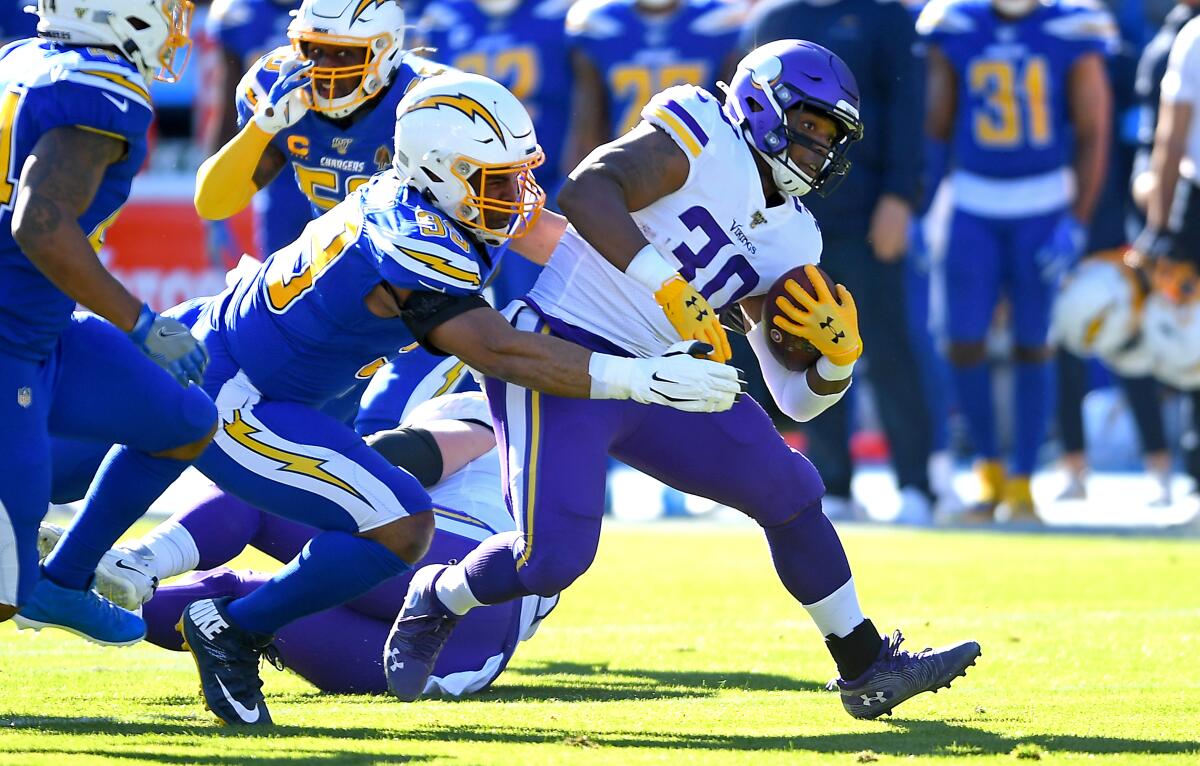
(680,646)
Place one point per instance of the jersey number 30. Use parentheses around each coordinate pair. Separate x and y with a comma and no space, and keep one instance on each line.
(718,248)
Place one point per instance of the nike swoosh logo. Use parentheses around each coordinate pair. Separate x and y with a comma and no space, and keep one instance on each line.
(119,103)
(164,333)
(249,715)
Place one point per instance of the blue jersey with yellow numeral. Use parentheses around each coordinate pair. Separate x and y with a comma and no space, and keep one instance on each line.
(46,85)
(298,327)
(332,158)
(1012,118)
(639,54)
(525,51)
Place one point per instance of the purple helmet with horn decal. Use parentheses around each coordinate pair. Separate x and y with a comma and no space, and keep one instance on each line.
(783,75)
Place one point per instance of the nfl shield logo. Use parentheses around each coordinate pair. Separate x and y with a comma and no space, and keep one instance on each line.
(25,396)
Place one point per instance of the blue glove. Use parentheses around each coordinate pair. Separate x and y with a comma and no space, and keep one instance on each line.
(170,345)
(284,105)
(1064,248)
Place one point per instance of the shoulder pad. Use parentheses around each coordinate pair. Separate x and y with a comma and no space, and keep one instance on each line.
(690,115)
(259,78)
(945,17)
(721,17)
(106,73)
(590,18)
(417,246)
(1083,21)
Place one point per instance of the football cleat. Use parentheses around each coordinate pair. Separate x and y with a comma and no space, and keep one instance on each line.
(898,675)
(125,575)
(227,658)
(915,508)
(82,612)
(417,637)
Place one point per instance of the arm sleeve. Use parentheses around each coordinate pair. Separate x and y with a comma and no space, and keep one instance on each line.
(900,74)
(790,390)
(423,311)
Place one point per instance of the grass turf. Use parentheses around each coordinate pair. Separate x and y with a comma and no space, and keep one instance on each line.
(680,646)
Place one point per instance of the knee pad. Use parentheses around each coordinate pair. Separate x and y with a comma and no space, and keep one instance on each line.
(788,488)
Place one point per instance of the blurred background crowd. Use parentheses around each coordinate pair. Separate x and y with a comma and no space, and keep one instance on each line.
(1019,232)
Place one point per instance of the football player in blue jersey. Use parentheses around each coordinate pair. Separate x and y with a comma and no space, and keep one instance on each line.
(245,30)
(74,111)
(625,51)
(1020,102)
(404,258)
(522,44)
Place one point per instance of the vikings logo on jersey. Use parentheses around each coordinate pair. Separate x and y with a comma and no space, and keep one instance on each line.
(1013,118)
(331,161)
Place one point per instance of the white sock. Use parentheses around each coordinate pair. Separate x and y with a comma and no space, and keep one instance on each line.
(173,549)
(454,592)
(838,613)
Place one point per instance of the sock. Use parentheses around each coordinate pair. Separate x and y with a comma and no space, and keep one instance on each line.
(491,570)
(333,568)
(808,556)
(1032,409)
(855,652)
(839,613)
(128,482)
(220,527)
(454,591)
(172,549)
(973,385)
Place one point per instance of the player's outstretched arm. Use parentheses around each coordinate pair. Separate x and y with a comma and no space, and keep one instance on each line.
(228,180)
(57,185)
(483,339)
(626,175)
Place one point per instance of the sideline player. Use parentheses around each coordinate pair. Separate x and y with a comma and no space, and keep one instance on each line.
(74,111)
(448,444)
(1019,97)
(717,191)
(403,258)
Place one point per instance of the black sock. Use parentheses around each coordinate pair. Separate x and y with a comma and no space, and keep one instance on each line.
(855,653)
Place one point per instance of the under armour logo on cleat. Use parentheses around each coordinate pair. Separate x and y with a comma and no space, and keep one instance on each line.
(869,699)
(208,620)
(395,664)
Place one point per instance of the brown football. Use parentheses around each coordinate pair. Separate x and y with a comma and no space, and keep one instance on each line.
(796,354)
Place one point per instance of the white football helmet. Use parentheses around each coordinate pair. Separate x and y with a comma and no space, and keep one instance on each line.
(152,34)
(459,138)
(374,26)
(1172,332)
(1096,312)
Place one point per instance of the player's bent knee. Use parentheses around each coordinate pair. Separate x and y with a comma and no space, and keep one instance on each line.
(190,451)
(967,354)
(408,537)
(7,612)
(1032,354)
(551,573)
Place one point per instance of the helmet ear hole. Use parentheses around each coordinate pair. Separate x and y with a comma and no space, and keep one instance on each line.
(432,176)
(136,23)
(754,106)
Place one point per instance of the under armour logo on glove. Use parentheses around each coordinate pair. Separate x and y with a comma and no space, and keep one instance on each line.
(834,335)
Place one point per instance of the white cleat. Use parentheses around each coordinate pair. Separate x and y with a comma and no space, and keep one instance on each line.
(125,576)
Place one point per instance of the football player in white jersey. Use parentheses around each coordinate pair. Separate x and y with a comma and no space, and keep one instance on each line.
(695,209)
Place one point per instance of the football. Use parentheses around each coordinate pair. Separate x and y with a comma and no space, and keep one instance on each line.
(796,354)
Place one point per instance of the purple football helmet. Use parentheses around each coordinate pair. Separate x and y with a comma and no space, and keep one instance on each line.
(794,73)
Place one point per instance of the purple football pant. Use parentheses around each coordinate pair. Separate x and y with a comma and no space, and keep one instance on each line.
(556,454)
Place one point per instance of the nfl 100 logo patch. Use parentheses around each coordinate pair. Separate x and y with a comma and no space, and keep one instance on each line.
(342,144)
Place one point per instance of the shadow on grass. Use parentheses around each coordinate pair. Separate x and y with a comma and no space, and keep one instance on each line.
(900,738)
(599,682)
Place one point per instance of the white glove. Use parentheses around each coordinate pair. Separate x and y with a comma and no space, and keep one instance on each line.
(677,379)
(284,105)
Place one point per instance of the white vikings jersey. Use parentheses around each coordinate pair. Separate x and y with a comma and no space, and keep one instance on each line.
(716,228)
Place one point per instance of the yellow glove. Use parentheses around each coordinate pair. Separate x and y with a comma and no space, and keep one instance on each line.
(829,324)
(692,317)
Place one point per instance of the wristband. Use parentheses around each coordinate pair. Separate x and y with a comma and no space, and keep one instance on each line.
(649,268)
(833,372)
